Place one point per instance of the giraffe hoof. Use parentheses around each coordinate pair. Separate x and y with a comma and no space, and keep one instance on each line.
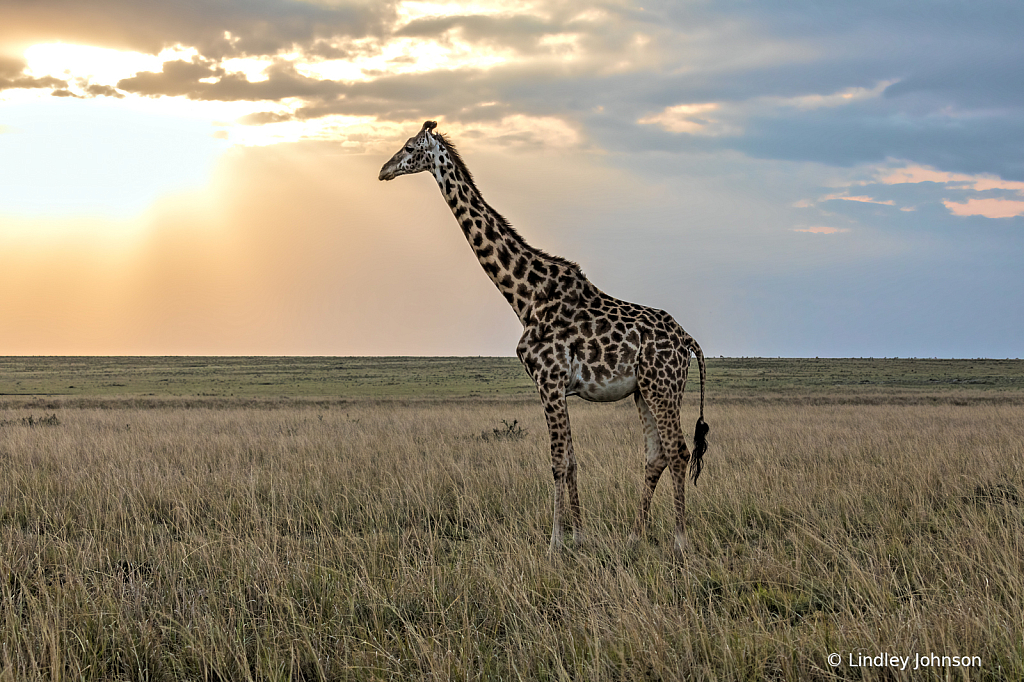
(681,545)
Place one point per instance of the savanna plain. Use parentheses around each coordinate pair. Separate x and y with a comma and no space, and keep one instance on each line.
(389,518)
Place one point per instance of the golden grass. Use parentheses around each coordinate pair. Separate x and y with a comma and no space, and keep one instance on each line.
(370,541)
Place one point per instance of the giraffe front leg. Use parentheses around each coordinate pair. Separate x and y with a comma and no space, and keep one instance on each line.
(538,357)
(563,467)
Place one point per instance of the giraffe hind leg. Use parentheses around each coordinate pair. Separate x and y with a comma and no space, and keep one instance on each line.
(556,521)
(575,515)
(665,409)
(678,465)
(655,465)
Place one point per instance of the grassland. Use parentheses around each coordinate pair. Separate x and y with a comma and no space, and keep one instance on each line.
(226,529)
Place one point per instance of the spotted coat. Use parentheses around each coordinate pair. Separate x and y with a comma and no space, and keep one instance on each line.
(577,340)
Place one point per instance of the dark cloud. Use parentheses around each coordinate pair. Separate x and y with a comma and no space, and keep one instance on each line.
(956,98)
(188,78)
(974,85)
(177,78)
(12,76)
(995,145)
(263,117)
(96,90)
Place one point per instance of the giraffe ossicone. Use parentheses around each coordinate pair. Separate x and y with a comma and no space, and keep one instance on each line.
(577,340)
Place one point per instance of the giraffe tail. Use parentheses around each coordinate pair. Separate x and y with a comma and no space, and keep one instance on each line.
(700,433)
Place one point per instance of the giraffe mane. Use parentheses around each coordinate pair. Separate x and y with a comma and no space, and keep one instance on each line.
(456,158)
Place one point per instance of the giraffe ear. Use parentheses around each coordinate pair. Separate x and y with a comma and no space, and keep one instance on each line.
(429,125)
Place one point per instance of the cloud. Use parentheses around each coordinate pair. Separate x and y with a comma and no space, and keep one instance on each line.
(177,78)
(983,195)
(12,76)
(842,98)
(263,117)
(692,119)
(862,199)
(216,29)
(916,174)
(851,84)
(821,230)
(836,99)
(990,208)
(522,32)
(97,90)
(201,79)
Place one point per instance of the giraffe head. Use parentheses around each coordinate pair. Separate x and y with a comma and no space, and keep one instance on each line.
(414,157)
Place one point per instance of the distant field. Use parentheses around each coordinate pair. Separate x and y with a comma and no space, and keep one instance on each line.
(377,519)
(416,377)
(263,377)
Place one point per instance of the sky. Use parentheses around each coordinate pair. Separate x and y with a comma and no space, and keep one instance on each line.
(796,179)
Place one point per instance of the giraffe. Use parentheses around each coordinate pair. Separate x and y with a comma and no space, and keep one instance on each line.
(576,340)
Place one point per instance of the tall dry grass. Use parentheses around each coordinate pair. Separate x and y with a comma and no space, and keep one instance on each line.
(392,541)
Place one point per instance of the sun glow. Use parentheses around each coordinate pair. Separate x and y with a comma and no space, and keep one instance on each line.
(339,128)
(402,55)
(96,64)
(98,157)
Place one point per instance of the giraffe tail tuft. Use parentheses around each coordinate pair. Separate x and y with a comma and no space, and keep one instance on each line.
(700,433)
(700,446)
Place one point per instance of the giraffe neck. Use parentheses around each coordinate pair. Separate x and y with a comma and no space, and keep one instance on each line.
(524,275)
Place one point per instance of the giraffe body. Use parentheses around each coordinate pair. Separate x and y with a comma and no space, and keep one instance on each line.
(576,339)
